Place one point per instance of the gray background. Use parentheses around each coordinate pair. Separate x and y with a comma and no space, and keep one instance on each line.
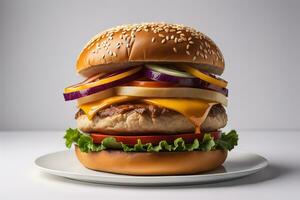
(40,40)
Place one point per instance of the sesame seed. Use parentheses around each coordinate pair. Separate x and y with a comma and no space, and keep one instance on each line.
(197,53)
(167,37)
(147,30)
(194,58)
(191,42)
(114,54)
(187,46)
(163,41)
(176,40)
(201,54)
(178,32)
(153,39)
(103,56)
(161,35)
(205,51)
(205,56)
(172,30)
(188,53)
(167,30)
(182,35)
(180,40)
(132,40)
(174,49)
(190,38)
(172,37)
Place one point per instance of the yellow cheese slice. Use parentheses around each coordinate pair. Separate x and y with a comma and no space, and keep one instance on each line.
(90,109)
(195,110)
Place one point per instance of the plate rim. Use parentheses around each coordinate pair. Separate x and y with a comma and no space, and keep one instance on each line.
(122,177)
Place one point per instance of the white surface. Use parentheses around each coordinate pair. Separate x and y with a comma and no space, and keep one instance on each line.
(21,180)
(40,41)
(65,164)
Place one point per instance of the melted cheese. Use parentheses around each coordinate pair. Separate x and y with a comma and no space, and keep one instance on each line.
(195,110)
(90,109)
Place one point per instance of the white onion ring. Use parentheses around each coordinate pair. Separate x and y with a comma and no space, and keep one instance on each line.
(180,92)
(96,96)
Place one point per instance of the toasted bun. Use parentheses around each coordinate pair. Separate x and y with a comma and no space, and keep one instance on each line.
(130,45)
(163,163)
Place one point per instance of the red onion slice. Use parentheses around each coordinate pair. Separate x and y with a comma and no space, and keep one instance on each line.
(92,90)
(183,81)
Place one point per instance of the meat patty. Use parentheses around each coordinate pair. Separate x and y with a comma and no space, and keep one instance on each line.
(144,118)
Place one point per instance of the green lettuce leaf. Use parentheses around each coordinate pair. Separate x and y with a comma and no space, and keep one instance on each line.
(85,143)
(227,141)
(71,136)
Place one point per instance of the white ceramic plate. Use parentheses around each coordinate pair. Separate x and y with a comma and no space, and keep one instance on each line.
(65,164)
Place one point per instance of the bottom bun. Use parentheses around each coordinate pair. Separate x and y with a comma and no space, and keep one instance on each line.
(143,163)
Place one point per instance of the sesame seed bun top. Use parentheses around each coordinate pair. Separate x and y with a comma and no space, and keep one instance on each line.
(129,45)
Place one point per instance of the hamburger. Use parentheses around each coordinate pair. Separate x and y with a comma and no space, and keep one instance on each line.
(152,103)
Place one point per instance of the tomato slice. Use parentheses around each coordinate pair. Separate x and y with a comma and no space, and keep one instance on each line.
(154,139)
(150,84)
